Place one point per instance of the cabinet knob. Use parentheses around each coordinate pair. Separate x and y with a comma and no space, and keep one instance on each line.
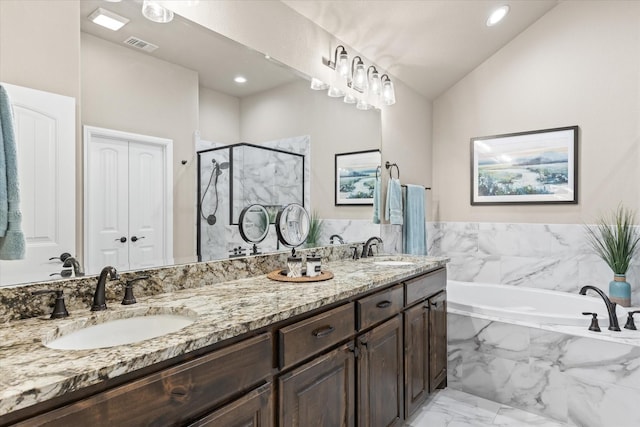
(122,239)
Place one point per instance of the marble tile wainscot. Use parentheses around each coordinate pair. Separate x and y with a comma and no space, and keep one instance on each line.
(31,373)
(566,373)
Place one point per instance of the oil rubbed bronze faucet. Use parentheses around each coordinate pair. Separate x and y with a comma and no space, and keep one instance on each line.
(99,300)
(373,241)
(611,306)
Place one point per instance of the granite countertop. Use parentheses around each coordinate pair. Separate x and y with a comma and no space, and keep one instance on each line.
(31,373)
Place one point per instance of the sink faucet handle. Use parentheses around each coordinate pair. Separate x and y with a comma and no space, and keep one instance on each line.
(128,290)
(59,308)
(355,252)
(594,321)
(630,323)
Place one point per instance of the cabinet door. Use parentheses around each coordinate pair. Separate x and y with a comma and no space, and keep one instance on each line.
(438,341)
(380,375)
(416,359)
(254,409)
(321,392)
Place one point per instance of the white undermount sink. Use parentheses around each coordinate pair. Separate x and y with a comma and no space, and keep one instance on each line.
(389,263)
(121,331)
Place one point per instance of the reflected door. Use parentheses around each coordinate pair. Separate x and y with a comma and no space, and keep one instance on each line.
(45,138)
(127,204)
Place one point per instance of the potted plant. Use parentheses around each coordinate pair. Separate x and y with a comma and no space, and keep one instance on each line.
(615,238)
(315,229)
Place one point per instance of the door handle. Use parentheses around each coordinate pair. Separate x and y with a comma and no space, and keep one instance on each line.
(122,239)
(135,239)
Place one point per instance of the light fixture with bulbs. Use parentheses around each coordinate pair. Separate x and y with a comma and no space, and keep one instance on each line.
(108,19)
(356,84)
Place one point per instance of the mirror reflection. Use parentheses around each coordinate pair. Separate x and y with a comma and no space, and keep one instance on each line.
(184,92)
(292,225)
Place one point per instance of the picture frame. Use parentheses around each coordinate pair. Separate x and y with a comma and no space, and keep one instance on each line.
(355,174)
(534,167)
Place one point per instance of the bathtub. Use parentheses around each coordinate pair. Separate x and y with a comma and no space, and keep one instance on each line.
(528,304)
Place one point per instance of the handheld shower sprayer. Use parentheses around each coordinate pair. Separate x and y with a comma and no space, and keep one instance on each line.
(216,171)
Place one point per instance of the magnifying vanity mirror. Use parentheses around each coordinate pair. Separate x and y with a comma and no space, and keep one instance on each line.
(254,225)
(292,225)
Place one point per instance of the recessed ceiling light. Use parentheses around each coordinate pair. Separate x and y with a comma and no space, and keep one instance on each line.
(240,79)
(108,19)
(497,15)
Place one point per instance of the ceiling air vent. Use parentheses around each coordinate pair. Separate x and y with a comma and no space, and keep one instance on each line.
(140,44)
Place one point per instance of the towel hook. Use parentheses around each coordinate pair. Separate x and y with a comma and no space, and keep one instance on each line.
(391,165)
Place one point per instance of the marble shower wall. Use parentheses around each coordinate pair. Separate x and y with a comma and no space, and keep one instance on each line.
(581,381)
(548,256)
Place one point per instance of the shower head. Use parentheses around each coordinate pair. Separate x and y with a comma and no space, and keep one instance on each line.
(219,166)
(224,165)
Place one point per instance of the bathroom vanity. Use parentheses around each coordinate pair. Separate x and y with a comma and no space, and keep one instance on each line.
(365,348)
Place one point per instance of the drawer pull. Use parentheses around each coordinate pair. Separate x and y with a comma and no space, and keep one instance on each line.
(323,332)
(383,304)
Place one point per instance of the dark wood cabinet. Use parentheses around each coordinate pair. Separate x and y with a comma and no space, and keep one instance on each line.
(320,393)
(255,409)
(380,361)
(438,341)
(416,356)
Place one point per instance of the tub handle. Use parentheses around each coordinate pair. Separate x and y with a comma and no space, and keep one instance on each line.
(594,321)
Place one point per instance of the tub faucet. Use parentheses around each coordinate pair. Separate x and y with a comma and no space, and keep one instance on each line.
(366,249)
(611,306)
(99,300)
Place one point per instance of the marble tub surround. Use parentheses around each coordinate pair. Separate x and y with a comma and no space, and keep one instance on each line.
(31,373)
(18,303)
(547,256)
(569,374)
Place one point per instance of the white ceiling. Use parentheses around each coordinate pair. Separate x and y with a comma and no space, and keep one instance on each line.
(428,44)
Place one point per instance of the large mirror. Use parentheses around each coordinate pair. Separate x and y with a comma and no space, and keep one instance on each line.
(184,91)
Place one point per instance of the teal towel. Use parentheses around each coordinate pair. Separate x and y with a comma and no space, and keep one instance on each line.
(12,243)
(393,211)
(376,200)
(414,232)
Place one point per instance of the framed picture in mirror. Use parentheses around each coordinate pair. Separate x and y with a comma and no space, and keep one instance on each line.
(355,177)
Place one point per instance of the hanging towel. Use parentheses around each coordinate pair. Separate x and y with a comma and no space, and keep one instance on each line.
(376,200)
(393,211)
(414,233)
(12,244)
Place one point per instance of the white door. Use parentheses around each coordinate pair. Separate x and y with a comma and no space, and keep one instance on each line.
(128,200)
(46,146)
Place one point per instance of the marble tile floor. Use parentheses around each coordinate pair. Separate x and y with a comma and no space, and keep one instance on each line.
(453,408)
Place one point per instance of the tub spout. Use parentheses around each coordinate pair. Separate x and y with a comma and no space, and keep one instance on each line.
(611,306)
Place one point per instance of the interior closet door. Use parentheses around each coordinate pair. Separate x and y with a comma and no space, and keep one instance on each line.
(146,205)
(46,148)
(107,201)
(128,200)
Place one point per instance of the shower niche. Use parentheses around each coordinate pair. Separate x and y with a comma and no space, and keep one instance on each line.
(232,177)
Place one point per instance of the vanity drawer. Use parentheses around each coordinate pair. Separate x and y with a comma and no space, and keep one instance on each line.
(173,396)
(379,306)
(310,336)
(425,286)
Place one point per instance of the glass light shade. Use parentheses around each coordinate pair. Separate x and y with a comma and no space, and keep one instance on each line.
(342,65)
(374,83)
(335,92)
(388,93)
(349,98)
(317,84)
(153,11)
(363,105)
(359,77)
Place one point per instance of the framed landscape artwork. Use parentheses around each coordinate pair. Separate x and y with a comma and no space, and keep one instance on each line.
(355,175)
(525,168)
